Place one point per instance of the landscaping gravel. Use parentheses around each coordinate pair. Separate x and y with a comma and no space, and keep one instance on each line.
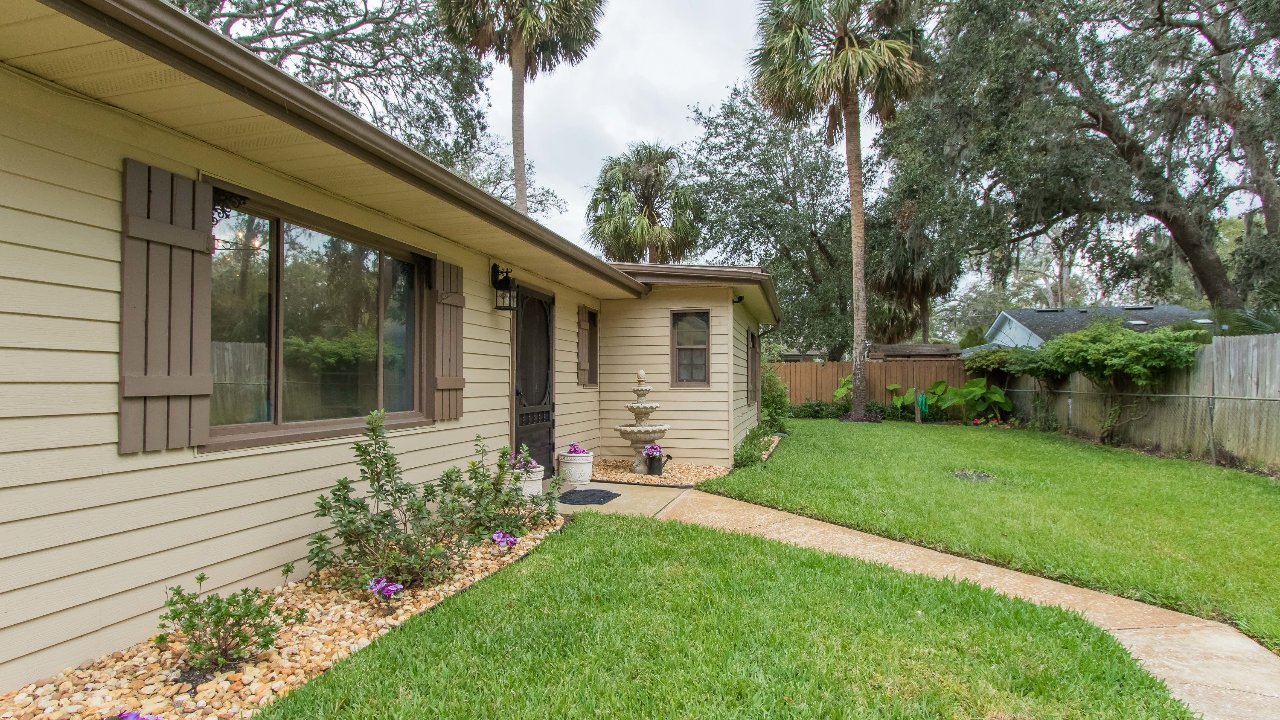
(147,679)
(673,475)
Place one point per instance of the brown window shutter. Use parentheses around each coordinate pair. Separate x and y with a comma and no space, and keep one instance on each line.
(447,283)
(165,376)
(753,368)
(584,345)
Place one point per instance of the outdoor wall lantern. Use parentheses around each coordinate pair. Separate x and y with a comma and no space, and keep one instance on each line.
(504,288)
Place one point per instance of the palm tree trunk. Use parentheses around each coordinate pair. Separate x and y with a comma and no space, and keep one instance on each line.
(853,161)
(518,71)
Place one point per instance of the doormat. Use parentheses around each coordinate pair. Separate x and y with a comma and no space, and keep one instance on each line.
(594,496)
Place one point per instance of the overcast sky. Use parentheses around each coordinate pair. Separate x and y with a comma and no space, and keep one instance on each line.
(654,59)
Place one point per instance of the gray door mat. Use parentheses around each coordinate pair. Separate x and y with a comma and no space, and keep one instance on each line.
(593,496)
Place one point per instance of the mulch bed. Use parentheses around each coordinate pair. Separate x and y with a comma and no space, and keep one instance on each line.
(673,474)
(147,679)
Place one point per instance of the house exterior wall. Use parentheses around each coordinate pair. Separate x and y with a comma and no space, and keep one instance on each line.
(636,335)
(746,415)
(1010,333)
(89,538)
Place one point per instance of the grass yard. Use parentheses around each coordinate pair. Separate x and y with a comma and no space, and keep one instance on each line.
(636,618)
(1176,533)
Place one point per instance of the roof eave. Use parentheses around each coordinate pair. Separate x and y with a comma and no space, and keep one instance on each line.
(722,275)
(171,36)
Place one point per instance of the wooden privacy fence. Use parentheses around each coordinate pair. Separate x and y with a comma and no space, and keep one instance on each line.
(1226,408)
(807,381)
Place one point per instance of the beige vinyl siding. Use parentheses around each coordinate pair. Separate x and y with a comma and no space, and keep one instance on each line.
(745,414)
(89,539)
(636,335)
(577,407)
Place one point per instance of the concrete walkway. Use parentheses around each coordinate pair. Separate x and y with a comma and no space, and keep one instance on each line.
(1213,668)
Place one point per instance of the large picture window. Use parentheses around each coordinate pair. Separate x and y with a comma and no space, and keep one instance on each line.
(691,348)
(309,327)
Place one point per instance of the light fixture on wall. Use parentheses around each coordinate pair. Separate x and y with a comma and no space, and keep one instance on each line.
(504,288)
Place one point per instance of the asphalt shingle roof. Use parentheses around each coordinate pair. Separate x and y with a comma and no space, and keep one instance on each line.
(1051,323)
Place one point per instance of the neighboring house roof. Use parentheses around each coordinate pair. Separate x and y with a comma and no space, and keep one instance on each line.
(220,93)
(754,284)
(1047,323)
(913,350)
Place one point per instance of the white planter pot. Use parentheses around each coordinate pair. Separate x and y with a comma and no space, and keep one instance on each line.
(576,469)
(531,483)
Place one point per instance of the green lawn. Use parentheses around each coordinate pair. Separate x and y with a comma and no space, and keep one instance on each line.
(1201,539)
(637,618)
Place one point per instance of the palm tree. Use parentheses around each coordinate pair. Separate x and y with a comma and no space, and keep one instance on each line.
(533,36)
(642,207)
(824,56)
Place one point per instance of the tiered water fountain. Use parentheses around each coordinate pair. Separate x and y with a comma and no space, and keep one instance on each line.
(640,432)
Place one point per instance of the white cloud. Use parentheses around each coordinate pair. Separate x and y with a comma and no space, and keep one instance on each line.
(655,58)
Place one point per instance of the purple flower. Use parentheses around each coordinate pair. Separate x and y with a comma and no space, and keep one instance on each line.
(135,715)
(391,589)
(517,462)
(576,449)
(376,584)
(505,539)
(654,450)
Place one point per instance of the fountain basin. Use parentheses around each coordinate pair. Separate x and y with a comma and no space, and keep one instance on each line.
(642,433)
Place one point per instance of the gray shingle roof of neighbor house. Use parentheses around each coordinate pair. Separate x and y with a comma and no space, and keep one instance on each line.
(1049,323)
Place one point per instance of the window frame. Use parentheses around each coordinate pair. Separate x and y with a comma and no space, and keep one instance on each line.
(277,431)
(675,350)
(753,367)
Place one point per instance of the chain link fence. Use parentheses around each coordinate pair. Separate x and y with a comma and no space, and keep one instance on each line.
(1231,430)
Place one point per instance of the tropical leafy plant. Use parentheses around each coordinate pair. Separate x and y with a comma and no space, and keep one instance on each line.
(980,401)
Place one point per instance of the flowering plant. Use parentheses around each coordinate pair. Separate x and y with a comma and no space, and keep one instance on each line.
(134,715)
(384,589)
(505,539)
(520,461)
(576,449)
(654,450)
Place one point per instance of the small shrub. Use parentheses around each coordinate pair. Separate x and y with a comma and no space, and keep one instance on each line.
(751,450)
(815,410)
(775,402)
(219,631)
(885,412)
(419,533)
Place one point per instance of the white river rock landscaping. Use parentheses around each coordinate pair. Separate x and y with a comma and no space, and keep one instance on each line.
(146,678)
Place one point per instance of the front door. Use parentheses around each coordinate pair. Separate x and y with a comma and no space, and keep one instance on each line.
(534,400)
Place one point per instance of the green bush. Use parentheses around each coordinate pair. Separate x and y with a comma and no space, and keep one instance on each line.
(219,631)
(815,410)
(1107,353)
(417,534)
(750,451)
(885,412)
(775,402)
